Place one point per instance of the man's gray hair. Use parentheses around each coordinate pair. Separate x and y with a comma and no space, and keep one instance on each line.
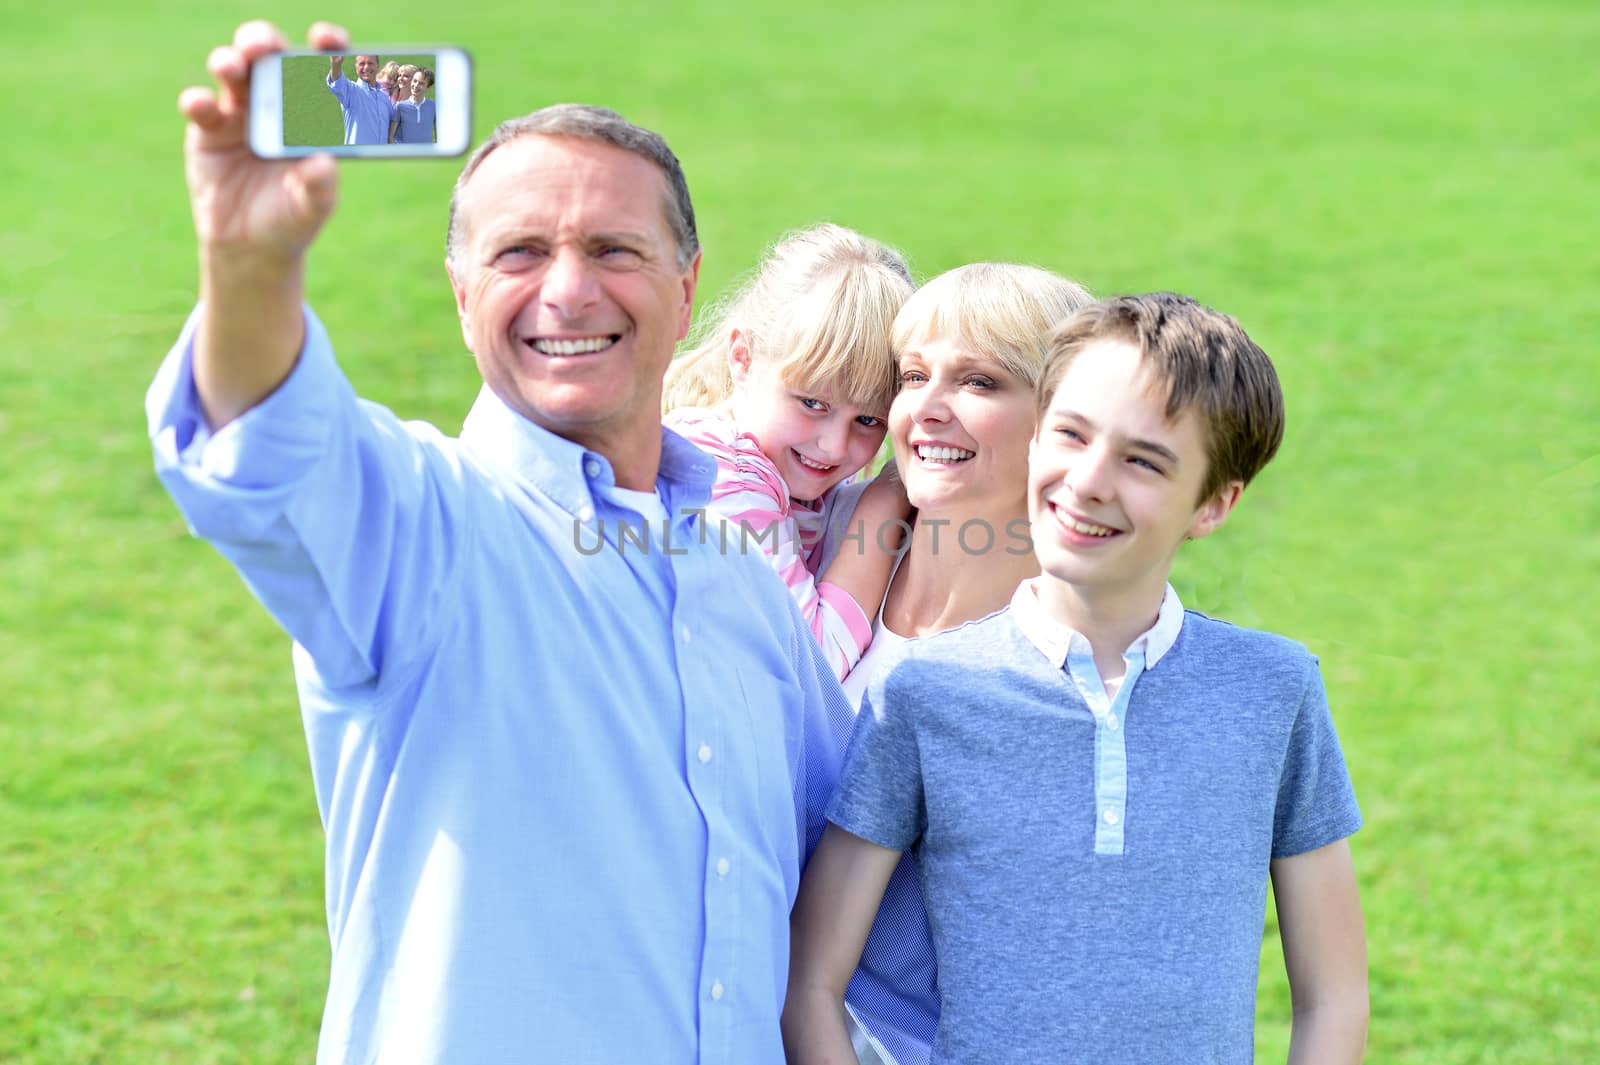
(597,124)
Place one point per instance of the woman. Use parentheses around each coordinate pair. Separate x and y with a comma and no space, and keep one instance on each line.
(969,345)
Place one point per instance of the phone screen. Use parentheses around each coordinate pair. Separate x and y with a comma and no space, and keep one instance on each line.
(390,102)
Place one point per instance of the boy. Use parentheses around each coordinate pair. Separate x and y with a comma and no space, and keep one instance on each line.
(415,118)
(1095,783)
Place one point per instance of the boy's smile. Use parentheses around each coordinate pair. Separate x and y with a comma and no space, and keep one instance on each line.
(1113,484)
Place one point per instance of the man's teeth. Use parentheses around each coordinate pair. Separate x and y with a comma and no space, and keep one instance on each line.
(571,347)
(823,466)
(1084,527)
(944,454)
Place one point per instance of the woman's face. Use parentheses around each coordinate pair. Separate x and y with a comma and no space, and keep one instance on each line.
(960,427)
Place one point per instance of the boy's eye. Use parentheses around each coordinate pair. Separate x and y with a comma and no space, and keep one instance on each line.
(1146,463)
(1070,434)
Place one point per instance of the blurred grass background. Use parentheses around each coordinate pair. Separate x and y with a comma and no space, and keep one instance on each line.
(1397,197)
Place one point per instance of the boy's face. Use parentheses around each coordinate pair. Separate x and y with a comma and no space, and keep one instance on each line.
(1112,483)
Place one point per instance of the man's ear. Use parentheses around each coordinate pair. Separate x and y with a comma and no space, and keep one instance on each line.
(460,291)
(738,355)
(1212,512)
(691,278)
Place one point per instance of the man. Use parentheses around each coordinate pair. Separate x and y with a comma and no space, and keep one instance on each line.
(366,108)
(567,792)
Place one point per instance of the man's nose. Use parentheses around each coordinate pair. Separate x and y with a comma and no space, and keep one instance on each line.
(569,283)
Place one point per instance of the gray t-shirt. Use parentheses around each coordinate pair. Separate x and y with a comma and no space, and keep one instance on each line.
(979,756)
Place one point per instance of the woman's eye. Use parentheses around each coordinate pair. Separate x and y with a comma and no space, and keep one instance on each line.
(912,377)
(980,382)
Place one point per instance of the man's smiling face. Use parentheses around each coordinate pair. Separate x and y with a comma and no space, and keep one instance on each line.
(366,68)
(570,289)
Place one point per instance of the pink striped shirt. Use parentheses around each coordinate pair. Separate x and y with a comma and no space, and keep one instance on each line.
(750,493)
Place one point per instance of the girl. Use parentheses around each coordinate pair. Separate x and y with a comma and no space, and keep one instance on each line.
(388,80)
(788,388)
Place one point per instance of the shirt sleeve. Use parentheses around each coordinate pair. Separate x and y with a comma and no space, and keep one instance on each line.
(342,520)
(880,795)
(751,497)
(1316,801)
(340,87)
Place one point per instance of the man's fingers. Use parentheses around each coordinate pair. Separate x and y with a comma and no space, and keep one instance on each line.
(232,72)
(199,105)
(258,38)
(328,37)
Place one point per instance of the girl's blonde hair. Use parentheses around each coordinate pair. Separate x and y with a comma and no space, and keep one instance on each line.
(389,69)
(822,302)
(1002,311)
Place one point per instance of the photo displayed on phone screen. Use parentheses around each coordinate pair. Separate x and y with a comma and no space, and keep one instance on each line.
(330,101)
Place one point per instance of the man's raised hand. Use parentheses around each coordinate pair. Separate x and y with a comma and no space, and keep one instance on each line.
(258,212)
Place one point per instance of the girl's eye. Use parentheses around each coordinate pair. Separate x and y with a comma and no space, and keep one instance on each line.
(813,404)
(868,421)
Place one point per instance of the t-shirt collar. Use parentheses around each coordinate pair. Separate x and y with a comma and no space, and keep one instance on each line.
(1054,639)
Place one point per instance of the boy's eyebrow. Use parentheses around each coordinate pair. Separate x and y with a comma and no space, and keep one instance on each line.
(1154,447)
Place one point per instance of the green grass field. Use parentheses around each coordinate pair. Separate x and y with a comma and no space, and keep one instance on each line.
(1397,198)
(310,113)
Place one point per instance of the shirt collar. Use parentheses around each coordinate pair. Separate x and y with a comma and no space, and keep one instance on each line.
(567,471)
(1054,638)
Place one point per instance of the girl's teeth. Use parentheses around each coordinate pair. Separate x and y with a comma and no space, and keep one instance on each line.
(812,465)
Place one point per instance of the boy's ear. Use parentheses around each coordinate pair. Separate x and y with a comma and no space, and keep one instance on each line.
(1210,515)
(738,355)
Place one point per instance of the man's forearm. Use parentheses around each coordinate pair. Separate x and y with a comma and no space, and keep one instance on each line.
(251,330)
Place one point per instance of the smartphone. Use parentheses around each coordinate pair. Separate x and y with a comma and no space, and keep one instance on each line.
(382,103)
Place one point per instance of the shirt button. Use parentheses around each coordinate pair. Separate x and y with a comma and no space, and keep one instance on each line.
(716,990)
(684,633)
(585,513)
(1112,723)
(591,467)
(704,753)
(1111,816)
(723,866)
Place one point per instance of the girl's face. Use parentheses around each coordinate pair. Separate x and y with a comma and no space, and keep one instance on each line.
(813,439)
(960,427)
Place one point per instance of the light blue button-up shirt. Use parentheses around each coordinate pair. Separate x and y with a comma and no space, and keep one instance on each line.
(568,774)
(367,110)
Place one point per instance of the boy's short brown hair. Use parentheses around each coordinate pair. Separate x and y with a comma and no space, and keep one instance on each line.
(1203,358)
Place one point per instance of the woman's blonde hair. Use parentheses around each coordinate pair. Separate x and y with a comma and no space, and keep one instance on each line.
(822,302)
(1003,311)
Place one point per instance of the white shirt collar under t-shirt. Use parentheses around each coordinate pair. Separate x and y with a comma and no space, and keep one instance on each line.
(1054,639)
